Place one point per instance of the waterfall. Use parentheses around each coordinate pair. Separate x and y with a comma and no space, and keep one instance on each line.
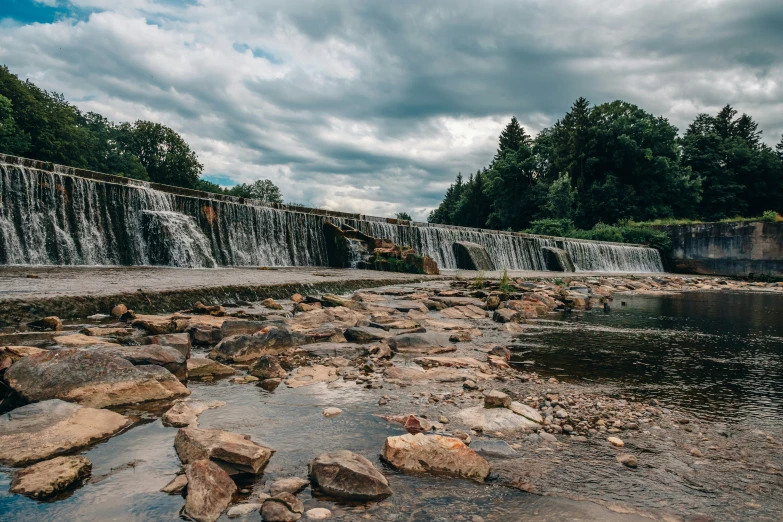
(55,216)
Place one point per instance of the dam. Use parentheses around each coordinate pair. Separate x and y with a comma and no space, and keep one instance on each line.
(56,215)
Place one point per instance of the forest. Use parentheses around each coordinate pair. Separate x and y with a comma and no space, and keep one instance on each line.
(616,164)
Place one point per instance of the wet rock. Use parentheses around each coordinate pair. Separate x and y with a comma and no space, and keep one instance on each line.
(267,367)
(178,341)
(115,332)
(331,412)
(234,452)
(616,442)
(39,431)
(80,340)
(496,399)
(363,334)
(506,315)
(339,317)
(119,310)
(91,378)
(501,351)
(51,323)
(200,308)
(435,453)
(282,508)
(232,327)
(49,477)
(10,354)
(243,510)
(380,351)
(291,485)
(335,300)
(155,324)
(495,419)
(270,384)
(526,411)
(627,460)
(297,298)
(318,514)
(451,362)
(464,312)
(421,343)
(244,379)
(176,486)
(209,491)
(200,367)
(308,375)
(347,475)
(349,350)
(271,304)
(154,354)
(493,448)
(269,341)
(410,375)
(186,412)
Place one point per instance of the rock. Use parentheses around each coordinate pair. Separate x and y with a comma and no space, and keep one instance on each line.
(459,301)
(349,350)
(492,302)
(460,337)
(627,460)
(434,453)
(243,510)
(493,448)
(335,300)
(271,304)
(51,323)
(115,332)
(119,310)
(244,379)
(49,477)
(696,453)
(234,452)
(464,312)
(618,443)
(421,343)
(495,419)
(291,485)
(10,354)
(472,256)
(297,298)
(348,475)
(185,412)
(176,486)
(282,508)
(200,308)
(547,437)
(443,419)
(331,412)
(409,375)
(308,375)
(178,341)
(318,514)
(470,385)
(501,351)
(155,324)
(272,340)
(496,399)
(363,334)
(209,491)
(505,315)
(267,367)
(91,378)
(452,362)
(155,354)
(42,430)
(232,327)
(80,340)
(200,367)
(526,411)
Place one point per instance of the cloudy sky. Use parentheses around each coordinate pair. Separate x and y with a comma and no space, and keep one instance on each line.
(370,106)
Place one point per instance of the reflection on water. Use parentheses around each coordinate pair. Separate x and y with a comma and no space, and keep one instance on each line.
(716,354)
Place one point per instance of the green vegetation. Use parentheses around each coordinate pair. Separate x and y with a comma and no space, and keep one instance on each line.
(42,125)
(404,216)
(616,163)
(505,285)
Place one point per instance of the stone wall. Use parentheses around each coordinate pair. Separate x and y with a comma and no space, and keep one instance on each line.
(732,249)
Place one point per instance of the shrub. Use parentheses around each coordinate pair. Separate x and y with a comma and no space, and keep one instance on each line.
(771,216)
(552,227)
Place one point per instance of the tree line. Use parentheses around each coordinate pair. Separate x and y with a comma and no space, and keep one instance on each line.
(42,125)
(616,163)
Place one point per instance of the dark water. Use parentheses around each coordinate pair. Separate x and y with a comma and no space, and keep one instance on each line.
(719,355)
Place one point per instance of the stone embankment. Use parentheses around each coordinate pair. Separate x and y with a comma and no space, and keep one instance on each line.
(436,343)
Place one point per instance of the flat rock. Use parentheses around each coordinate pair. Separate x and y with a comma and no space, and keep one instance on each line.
(460,301)
(49,477)
(155,354)
(186,412)
(616,442)
(348,475)
(526,411)
(233,451)
(464,312)
(410,375)
(364,334)
(318,514)
(291,485)
(452,362)
(307,375)
(493,448)
(272,340)
(176,486)
(178,341)
(97,331)
(91,378)
(421,343)
(347,350)
(496,399)
(155,324)
(210,490)
(232,327)
(200,367)
(331,412)
(340,317)
(42,430)
(78,339)
(243,510)
(434,453)
(495,419)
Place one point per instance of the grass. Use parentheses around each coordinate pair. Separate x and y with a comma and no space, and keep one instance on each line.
(505,282)
(769,216)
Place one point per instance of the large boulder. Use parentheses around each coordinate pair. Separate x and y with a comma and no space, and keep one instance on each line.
(91,378)
(309,375)
(236,453)
(166,356)
(50,477)
(210,490)
(472,256)
(272,340)
(347,475)
(434,453)
(42,430)
(421,343)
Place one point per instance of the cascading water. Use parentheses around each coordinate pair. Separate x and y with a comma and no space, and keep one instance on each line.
(50,216)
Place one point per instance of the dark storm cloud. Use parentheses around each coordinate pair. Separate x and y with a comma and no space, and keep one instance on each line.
(375,106)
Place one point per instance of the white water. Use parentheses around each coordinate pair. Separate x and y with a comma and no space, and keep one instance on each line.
(51,217)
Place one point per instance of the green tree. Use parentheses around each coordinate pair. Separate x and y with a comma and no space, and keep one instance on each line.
(512,138)
(561,198)
(262,190)
(13,140)
(444,214)
(403,216)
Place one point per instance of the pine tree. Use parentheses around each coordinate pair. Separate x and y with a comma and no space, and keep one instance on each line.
(512,138)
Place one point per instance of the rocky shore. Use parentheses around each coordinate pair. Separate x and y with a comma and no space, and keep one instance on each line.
(438,359)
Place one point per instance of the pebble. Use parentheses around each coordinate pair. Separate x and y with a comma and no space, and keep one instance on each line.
(331,412)
(318,514)
(616,442)
(627,460)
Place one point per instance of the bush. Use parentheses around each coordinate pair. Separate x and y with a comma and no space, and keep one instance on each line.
(551,227)
(771,216)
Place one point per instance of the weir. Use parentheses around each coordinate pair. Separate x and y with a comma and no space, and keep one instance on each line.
(55,215)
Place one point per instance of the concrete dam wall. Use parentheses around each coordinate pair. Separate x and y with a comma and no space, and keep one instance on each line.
(55,215)
(732,249)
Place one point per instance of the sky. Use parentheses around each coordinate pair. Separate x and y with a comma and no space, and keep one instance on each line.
(374,107)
